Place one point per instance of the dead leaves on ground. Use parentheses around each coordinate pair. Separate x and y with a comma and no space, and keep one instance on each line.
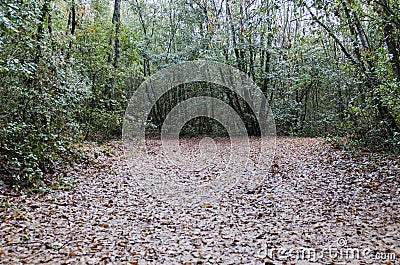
(313,196)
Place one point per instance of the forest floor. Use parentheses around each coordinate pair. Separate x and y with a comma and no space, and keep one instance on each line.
(318,205)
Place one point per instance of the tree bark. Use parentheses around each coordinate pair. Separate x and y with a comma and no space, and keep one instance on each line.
(116,20)
(393,47)
(71,27)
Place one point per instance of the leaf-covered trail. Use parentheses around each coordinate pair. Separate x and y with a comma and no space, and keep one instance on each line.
(315,198)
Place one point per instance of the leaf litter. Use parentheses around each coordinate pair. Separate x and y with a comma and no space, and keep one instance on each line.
(313,196)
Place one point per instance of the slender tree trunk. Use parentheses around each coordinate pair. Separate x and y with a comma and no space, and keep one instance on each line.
(116,20)
(393,47)
(71,26)
(114,56)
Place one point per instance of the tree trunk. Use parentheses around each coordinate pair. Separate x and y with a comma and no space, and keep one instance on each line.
(116,20)
(71,26)
(393,47)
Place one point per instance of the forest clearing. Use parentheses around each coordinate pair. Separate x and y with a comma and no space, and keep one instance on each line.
(199,132)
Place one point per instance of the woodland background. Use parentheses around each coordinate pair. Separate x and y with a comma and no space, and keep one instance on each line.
(329,68)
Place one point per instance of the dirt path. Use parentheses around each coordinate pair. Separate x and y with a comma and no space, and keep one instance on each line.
(319,206)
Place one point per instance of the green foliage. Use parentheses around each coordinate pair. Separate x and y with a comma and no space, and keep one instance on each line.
(67,69)
(34,106)
(55,85)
